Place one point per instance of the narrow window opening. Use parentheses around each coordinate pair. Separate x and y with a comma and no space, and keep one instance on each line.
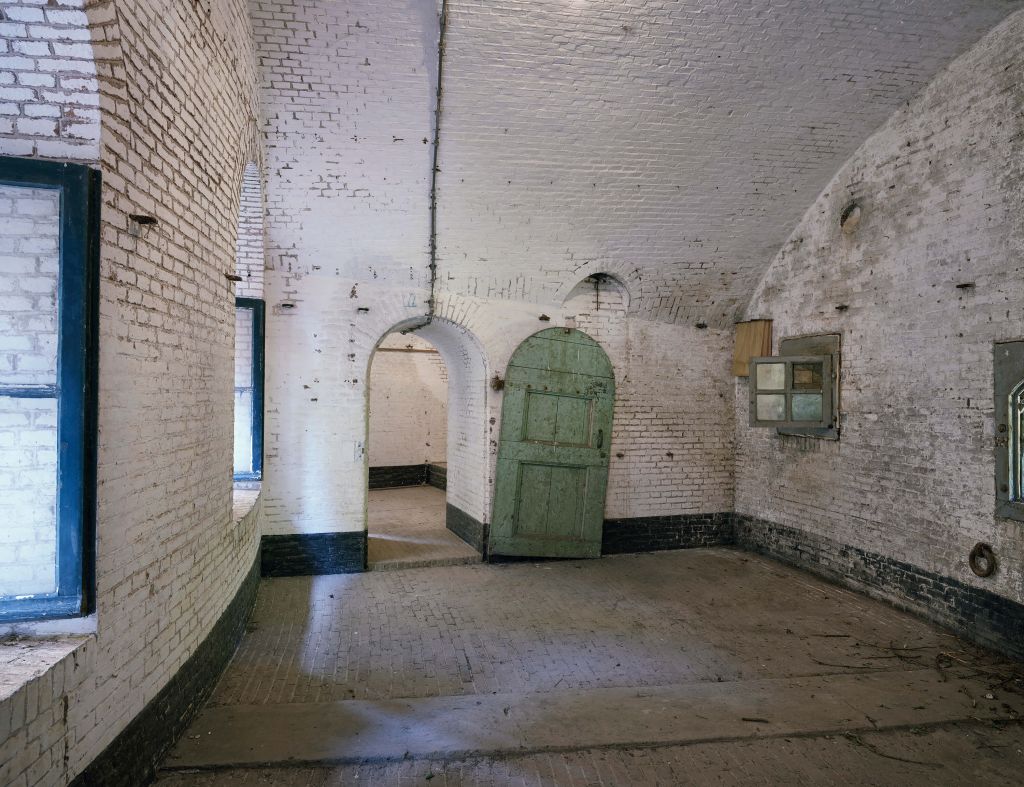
(249,340)
(1008,367)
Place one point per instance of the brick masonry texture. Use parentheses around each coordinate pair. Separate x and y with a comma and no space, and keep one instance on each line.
(675,144)
(162,98)
(975,613)
(249,251)
(33,704)
(672,149)
(313,554)
(542,112)
(132,758)
(49,91)
(398,475)
(652,534)
(629,620)
(912,477)
(470,530)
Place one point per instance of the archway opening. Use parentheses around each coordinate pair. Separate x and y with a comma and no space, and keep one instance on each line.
(408,449)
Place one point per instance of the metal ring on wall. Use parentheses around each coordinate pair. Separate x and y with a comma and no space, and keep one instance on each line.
(982,560)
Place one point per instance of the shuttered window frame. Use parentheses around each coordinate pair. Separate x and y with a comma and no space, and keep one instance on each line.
(1008,368)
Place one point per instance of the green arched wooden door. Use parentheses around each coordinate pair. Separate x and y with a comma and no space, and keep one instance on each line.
(556,425)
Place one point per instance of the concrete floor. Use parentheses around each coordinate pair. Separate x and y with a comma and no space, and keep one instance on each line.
(694,667)
(406,530)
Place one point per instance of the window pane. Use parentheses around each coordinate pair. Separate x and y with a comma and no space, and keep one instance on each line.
(243,348)
(243,430)
(771,407)
(771,376)
(29,263)
(29,266)
(807,407)
(1016,419)
(28,496)
(807,376)
(244,321)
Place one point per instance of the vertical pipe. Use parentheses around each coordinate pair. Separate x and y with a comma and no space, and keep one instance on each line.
(434,170)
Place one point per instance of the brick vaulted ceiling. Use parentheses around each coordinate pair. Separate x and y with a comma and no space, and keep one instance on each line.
(675,143)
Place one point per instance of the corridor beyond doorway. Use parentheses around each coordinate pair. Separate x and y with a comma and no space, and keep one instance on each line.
(406,530)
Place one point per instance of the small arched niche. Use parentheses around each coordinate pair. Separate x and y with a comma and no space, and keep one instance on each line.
(249,248)
(598,293)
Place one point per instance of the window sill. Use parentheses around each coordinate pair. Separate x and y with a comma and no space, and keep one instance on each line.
(246,513)
(244,499)
(24,660)
(1008,510)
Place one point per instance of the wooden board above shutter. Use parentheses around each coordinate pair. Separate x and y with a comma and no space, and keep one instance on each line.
(753,340)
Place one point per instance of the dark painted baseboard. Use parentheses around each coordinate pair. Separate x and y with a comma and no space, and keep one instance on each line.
(131,759)
(467,528)
(437,476)
(655,533)
(311,554)
(398,475)
(976,614)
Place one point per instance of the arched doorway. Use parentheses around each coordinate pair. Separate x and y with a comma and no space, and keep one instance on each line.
(426,448)
(556,426)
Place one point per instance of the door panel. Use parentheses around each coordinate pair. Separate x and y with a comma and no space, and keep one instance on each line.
(552,469)
(557,419)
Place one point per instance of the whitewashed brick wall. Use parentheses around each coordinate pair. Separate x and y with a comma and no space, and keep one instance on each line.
(33,701)
(674,147)
(471,408)
(574,140)
(249,253)
(348,111)
(671,448)
(348,122)
(679,140)
(408,403)
(175,88)
(912,477)
(49,94)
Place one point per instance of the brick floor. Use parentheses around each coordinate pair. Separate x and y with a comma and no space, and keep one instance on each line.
(960,754)
(704,616)
(671,617)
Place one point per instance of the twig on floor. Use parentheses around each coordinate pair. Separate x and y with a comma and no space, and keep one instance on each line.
(856,739)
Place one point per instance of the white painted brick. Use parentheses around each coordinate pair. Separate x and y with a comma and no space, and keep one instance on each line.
(912,476)
(166,341)
(576,140)
(408,404)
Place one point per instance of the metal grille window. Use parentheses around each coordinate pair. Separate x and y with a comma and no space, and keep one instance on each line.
(249,320)
(791,391)
(1009,428)
(49,231)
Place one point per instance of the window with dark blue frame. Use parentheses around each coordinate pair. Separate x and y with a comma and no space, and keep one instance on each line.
(249,319)
(49,235)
